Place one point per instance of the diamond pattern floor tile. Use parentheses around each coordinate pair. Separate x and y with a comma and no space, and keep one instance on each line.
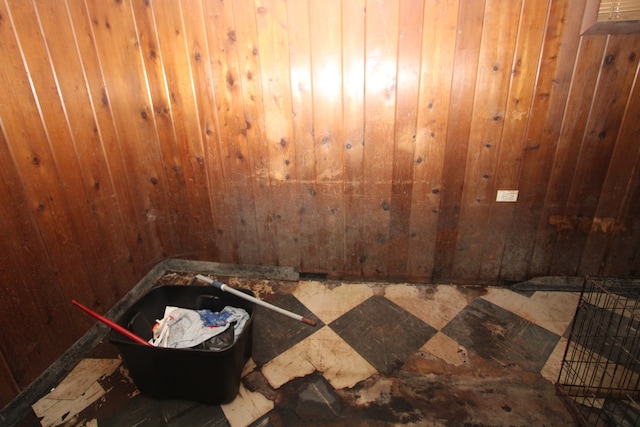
(329,302)
(435,305)
(275,333)
(203,416)
(145,411)
(607,334)
(382,332)
(77,391)
(552,366)
(246,407)
(445,348)
(382,354)
(501,337)
(551,310)
(324,352)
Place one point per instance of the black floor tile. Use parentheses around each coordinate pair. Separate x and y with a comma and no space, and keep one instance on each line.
(525,293)
(501,337)
(141,411)
(382,332)
(309,400)
(274,333)
(201,416)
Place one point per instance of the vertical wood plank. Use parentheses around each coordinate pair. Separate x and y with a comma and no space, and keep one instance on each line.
(622,249)
(160,113)
(615,83)
(8,388)
(101,226)
(271,16)
(380,100)
(549,100)
(618,67)
(159,129)
(206,162)
(302,105)
(567,150)
(116,38)
(407,91)
(353,77)
(326,73)
(183,76)
(110,144)
(499,35)
(25,260)
(532,25)
(222,42)
(17,367)
(623,252)
(440,28)
(22,299)
(192,176)
(41,345)
(244,13)
(470,19)
(46,175)
(632,267)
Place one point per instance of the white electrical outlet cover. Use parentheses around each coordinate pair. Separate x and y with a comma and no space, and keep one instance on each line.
(507,196)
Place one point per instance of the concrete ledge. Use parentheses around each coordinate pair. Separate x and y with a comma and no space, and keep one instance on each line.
(573,284)
(248,271)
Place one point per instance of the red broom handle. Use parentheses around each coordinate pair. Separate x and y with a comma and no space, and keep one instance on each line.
(124,331)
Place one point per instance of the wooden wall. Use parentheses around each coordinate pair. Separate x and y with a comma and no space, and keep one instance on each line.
(362,139)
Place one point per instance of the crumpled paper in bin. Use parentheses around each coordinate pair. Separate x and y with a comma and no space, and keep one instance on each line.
(185,328)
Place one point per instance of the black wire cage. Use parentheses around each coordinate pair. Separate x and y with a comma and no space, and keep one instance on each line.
(599,378)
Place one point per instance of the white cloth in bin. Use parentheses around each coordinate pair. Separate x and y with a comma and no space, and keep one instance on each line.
(185,328)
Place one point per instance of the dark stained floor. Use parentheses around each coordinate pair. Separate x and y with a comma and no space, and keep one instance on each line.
(381,355)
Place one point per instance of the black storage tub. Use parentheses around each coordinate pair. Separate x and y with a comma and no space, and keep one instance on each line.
(204,376)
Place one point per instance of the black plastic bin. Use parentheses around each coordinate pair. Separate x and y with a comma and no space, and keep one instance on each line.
(205,376)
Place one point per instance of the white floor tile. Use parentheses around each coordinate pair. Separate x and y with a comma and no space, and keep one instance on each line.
(75,392)
(247,407)
(56,412)
(435,305)
(325,352)
(550,310)
(445,348)
(329,303)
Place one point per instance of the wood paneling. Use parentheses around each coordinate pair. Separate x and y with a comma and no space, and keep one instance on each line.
(555,71)
(621,251)
(524,68)
(353,71)
(456,145)
(381,51)
(407,92)
(436,74)
(362,139)
(487,122)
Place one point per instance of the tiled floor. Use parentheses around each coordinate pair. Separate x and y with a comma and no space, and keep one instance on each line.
(381,354)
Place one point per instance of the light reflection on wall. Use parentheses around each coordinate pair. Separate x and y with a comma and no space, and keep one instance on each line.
(330,82)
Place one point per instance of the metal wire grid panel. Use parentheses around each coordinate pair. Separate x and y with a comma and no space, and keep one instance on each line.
(599,377)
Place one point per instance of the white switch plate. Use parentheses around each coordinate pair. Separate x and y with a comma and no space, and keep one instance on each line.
(507,196)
